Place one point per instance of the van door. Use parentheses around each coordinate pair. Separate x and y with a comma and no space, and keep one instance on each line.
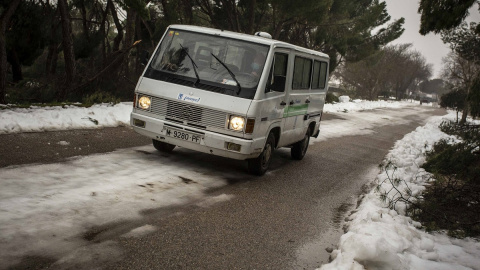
(318,89)
(298,99)
(275,100)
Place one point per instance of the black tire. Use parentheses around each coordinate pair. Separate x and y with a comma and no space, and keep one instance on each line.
(163,147)
(258,166)
(299,149)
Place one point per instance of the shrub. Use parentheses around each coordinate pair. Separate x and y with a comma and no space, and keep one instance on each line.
(100,97)
(452,202)
(331,98)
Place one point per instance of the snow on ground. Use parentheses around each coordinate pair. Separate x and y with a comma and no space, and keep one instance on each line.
(380,238)
(37,119)
(362,105)
(45,209)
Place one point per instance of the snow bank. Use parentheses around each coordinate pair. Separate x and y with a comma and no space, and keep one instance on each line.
(36,119)
(45,208)
(344,99)
(362,105)
(380,238)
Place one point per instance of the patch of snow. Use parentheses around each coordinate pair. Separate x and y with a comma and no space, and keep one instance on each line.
(47,208)
(343,99)
(140,231)
(63,143)
(37,119)
(361,124)
(91,257)
(362,105)
(213,200)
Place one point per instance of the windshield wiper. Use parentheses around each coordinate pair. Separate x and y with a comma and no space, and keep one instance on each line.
(193,64)
(230,72)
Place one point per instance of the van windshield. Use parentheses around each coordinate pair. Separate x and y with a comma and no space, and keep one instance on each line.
(224,65)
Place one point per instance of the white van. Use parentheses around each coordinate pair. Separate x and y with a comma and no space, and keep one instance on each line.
(228,94)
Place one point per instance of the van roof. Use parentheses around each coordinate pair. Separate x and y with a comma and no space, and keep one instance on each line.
(251,38)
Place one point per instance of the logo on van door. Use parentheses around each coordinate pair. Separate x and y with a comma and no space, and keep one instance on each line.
(188,98)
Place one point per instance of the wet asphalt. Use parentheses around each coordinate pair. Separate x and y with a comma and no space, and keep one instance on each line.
(286,219)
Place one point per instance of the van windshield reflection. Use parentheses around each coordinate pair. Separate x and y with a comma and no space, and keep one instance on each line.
(209,62)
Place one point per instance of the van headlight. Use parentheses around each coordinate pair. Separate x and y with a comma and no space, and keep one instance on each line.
(144,102)
(236,123)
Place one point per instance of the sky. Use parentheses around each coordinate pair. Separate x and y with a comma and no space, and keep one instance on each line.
(431,45)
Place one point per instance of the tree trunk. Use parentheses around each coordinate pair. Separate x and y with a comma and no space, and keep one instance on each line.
(5,18)
(228,8)
(465,113)
(68,52)
(118,38)
(138,36)
(12,58)
(251,16)
(129,37)
(187,9)
(52,55)
(466,109)
(150,34)
(83,11)
(104,34)
(53,66)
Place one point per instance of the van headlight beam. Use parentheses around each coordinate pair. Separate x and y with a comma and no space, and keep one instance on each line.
(144,102)
(236,123)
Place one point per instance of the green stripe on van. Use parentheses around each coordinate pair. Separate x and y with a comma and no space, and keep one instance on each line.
(295,110)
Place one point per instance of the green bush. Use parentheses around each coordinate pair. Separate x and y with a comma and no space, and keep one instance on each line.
(30,91)
(331,98)
(452,202)
(100,97)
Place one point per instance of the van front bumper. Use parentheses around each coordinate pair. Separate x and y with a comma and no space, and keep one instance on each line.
(210,142)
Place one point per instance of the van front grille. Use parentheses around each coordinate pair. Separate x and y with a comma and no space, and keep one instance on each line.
(194,115)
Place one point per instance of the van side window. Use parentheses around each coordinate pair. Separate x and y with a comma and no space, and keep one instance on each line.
(279,72)
(323,74)
(316,75)
(302,73)
(281,61)
(319,75)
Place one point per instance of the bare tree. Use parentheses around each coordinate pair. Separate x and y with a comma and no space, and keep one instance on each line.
(461,73)
(393,69)
(411,69)
(68,52)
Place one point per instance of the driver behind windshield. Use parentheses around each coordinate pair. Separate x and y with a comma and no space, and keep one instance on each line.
(257,64)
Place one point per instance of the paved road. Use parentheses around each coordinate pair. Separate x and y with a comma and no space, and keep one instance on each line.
(46,147)
(284,220)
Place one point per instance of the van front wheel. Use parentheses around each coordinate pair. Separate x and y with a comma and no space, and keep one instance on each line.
(299,149)
(258,166)
(163,147)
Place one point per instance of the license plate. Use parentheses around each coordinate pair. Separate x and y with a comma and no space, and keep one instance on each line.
(183,135)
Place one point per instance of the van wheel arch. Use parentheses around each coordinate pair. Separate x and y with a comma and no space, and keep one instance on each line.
(276,132)
(311,127)
(299,149)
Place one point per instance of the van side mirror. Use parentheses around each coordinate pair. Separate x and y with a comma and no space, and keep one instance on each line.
(278,83)
(144,58)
